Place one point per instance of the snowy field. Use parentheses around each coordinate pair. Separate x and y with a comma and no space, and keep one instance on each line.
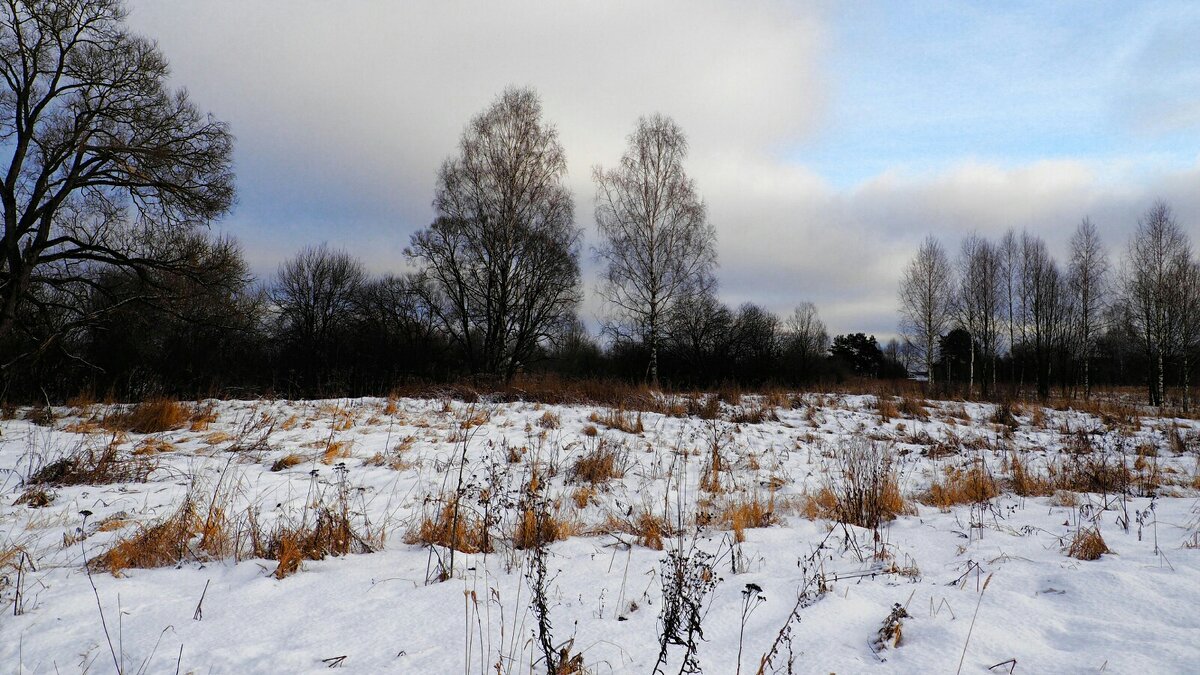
(724,532)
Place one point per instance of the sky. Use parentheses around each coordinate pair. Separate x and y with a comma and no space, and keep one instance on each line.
(827,139)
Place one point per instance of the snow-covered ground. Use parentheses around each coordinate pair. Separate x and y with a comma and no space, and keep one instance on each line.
(985,582)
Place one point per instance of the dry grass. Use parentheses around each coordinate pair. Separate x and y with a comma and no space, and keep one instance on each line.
(217,437)
(92,466)
(288,461)
(1086,544)
(151,416)
(754,414)
(463,531)
(1024,482)
(166,542)
(599,466)
(153,446)
(748,512)
(867,491)
(331,532)
(537,527)
(962,486)
(335,451)
(549,420)
(590,431)
(647,529)
(619,419)
(391,407)
(913,407)
(202,417)
(886,407)
(583,495)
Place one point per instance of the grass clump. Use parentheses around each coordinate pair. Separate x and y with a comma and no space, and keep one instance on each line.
(452,525)
(867,491)
(957,486)
(1086,544)
(619,419)
(92,466)
(151,416)
(598,466)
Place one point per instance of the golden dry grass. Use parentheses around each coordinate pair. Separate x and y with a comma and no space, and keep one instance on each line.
(151,416)
(597,466)
(463,531)
(748,512)
(288,461)
(1086,544)
(334,451)
(619,419)
(153,446)
(961,486)
(886,407)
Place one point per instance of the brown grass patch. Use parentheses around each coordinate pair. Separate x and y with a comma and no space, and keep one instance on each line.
(748,512)
(288,461)
(217,437)
(647,529)
(202,417)
(1025,483)
(961,486)
(538,527)
(334,451)
(463,531)
(161,544)
(91,466)
(598,466)
(913,407)
(590,431)
(886,407)
(549,420)
(331,533)
(1086,544)
(583,495)
(153,446)
(152,416)
(867,491)
(617,418)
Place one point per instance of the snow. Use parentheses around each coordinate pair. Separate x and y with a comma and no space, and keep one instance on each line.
(1131,610)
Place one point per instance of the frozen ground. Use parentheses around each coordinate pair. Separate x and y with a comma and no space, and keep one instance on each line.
(993,569)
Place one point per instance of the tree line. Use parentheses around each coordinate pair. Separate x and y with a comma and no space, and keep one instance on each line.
(1002,314)
(110,276)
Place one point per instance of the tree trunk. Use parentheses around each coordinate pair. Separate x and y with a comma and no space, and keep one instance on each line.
(971,375)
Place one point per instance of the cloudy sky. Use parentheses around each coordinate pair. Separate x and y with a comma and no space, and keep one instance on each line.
(827,138)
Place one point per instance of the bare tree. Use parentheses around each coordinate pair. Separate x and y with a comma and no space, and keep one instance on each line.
(1010,272)
(1187,323)
(978,301)
(106,166)
(699,330)
(926,301)
(1044,308)
(1157,261)
(1087,281)
(502,257)
(656,242)
(806,339)
(315,294)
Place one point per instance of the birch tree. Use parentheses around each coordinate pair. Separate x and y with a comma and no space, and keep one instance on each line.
(926,301)
(656,243)
(1087,282)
